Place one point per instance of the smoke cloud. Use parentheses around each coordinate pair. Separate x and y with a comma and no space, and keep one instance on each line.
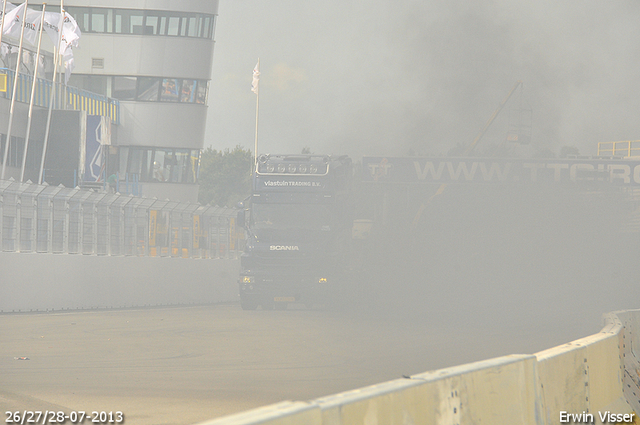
(373,78)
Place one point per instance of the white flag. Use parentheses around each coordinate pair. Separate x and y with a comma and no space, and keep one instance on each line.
(70,30)
(31,26)
(4,52)
(8,8)
(256,78)
(51,25)
(68,64)
(70,36)
(12,21)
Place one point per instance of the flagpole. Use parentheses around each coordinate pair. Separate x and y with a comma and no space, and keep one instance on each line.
(13,95)
(33,90)
(4,10)
(56,51)
(255,145)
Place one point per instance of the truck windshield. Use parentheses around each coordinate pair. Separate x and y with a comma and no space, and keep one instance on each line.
(290,216)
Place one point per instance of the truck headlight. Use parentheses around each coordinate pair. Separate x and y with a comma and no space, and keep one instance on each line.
(247,279)
(322,280)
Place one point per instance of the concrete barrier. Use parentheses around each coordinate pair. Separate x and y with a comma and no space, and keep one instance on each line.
(393,402)
(630,321)
(284,413)
(583,376)
(589,376)
(457,395)
(32,282)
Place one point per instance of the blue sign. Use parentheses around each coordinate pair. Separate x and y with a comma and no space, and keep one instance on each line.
(94,157)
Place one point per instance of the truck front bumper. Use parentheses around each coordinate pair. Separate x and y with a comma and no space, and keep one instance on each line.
(284,289)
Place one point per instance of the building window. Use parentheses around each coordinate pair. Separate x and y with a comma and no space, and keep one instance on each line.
(144,89)
(82,16)
(152,24)
(143,22)
(148,89)
(136,19)
(173,26)
(188,92)
(192,29)
(121,21)
(170,90)
(124,88)
(102,20)
(203,90)
(205,25)
(94,83)
(162,165)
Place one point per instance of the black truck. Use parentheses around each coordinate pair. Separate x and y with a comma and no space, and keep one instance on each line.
(298,223)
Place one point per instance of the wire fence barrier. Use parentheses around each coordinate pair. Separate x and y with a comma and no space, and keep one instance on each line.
(60,220)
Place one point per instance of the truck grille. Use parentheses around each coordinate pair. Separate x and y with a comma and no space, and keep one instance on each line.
(286,264)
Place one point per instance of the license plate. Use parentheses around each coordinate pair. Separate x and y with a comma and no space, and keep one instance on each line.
(285,299)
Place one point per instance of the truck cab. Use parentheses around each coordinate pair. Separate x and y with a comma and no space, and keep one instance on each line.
(298,228)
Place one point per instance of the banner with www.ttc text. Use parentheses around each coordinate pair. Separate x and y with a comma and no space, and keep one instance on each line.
(493,170)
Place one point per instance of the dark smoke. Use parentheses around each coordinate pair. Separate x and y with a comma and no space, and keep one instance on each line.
(378,78)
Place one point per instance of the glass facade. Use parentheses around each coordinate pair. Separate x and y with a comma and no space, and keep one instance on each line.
(143,22)
(144,89)
(160,165)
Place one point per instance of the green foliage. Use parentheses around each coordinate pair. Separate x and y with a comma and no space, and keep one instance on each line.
(225,176)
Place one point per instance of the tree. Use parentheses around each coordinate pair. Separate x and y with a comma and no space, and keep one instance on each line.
(225,176)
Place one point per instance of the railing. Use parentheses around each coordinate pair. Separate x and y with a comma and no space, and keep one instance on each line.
(60,220)
(129,184)
(66,97)
(628,148)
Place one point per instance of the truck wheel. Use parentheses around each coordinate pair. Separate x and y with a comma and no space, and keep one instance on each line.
(267,306)
(248,305)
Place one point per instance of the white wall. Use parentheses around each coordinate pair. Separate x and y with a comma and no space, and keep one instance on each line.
(49,281)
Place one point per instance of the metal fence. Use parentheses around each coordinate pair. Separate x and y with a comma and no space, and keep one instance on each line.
(60,220)
(627,149)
